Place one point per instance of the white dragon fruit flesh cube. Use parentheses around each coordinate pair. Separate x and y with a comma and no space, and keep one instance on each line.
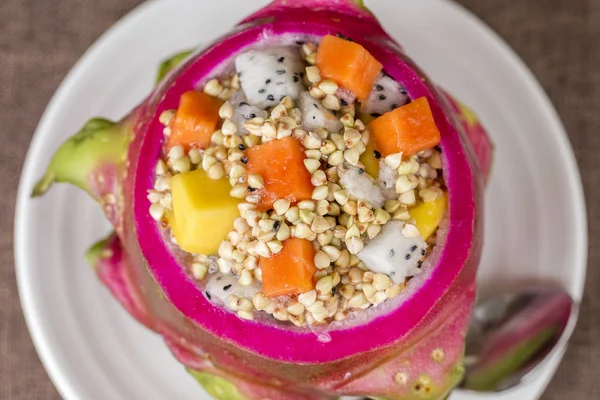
(387,180)
(386,95)
(219,287)
(243,112)
(359,185)
(315,116)
(268,75)
(393,254)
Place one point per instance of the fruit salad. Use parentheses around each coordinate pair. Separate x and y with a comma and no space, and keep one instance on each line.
(306,185)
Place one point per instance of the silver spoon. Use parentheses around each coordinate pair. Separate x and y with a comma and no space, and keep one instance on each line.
(512,335)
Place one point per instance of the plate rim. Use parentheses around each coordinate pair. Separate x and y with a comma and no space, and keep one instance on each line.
(23,268)
(559,132)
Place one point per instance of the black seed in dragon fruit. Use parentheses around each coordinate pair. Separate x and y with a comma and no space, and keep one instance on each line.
(315,116)
(386,95)
(346,97)
(393,254)
(268,75)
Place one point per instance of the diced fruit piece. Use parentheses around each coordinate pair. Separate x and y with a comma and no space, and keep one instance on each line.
(203,211)
(428,215)
(315,116)
(387,180)
(348,64)
(393,254)
(196,120)
(291,270)
(268,75)
(220,286)
(386,95)
(243,112)
(361,187)
(370,161)
(407,130)
(281,165)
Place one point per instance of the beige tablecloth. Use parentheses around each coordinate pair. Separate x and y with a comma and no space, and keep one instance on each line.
(41,39)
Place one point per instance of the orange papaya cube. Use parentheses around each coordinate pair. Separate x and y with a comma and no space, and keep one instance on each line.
(196,119)
(280,163)
(348,64)
(291,270)
(407,130)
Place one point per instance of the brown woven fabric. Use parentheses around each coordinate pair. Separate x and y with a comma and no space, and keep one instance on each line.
(41,40)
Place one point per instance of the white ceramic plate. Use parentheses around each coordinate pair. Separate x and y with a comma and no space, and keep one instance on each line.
(535,213)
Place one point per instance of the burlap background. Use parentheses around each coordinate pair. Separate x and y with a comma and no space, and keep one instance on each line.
(41,39)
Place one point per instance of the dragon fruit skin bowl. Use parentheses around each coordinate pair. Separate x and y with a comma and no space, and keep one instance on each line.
(410,347)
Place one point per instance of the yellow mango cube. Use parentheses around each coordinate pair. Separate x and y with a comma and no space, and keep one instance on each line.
(370,161)
(428,215)
(203,211)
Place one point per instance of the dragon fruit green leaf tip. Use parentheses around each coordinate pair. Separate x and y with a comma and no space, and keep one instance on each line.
(297,210)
